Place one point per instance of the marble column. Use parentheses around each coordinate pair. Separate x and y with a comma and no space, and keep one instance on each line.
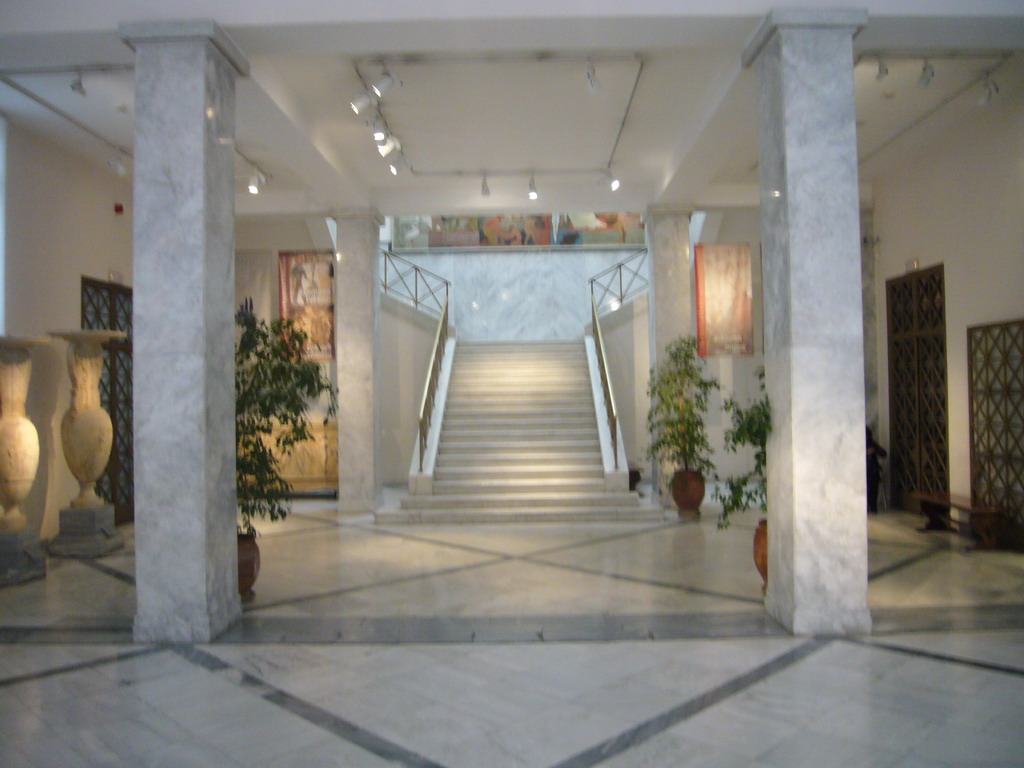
(814,357)
(357,333)
(670,309)
(186,550)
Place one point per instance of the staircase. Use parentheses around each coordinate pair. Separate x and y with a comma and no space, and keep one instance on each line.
(520,442)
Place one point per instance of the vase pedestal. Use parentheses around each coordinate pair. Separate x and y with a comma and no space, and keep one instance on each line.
(86,532)
(87,524)
(21,557)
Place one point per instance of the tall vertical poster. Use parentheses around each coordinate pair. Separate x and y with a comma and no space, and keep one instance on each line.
(306,281)
(725,300)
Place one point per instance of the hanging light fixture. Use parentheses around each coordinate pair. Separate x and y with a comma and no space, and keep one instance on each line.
(389,145)
(612,181)
(593,84)
(360,102)
(117,165)
(988,91)
(927,73)
(383,84)
(257,180)
(883,69)
(379,131)
(485,190)
(533,189)
(77,86)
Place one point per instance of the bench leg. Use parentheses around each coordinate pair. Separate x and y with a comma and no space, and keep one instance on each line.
(937,516)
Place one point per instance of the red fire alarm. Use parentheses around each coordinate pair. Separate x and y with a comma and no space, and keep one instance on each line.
(118,209)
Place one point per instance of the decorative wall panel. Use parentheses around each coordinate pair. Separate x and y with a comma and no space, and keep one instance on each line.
(918,412)
(995,356)
(109,306)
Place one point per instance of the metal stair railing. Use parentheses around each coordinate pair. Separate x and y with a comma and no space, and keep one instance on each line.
(414,285)
(606,383)
(430,387)
(618,284)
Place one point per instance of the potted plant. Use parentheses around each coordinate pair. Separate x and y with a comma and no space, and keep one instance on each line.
(274,386)
(751,426)
(679,391)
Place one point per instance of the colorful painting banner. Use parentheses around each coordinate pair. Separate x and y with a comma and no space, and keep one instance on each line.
(306,282)
(725,324)
(515,230)
(600,229)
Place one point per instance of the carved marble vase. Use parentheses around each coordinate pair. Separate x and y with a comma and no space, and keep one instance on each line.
(19,441)
(85,431)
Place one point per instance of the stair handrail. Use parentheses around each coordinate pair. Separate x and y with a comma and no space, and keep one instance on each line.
(606,382)
(413,284)
(433,374)
(620,282)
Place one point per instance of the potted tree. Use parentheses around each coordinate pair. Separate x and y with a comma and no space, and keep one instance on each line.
(751,426)
(274,386)
(679,391)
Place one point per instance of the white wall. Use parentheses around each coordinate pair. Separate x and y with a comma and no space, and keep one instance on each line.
(959,202)
(61,225)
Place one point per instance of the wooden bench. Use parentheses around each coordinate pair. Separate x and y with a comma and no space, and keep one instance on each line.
(982,520)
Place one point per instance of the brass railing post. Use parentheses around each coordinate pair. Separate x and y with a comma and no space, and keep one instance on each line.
(606,384)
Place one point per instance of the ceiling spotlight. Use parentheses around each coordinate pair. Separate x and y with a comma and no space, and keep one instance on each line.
(927,73)
(256,181)
(383,84)
(389,145)
(394,169)
(485,190)
(77,86)
(593,84)
(989,91)
(883,69)
(533,189)
(360,102)
(379,131)
(117,165)
(611,181)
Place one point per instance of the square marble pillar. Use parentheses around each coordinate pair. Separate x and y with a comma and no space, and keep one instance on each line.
(814,357)
(186,551)
(670,309)
(670,296)
(357,334)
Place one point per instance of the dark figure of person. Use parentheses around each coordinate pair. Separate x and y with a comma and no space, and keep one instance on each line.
(875,452)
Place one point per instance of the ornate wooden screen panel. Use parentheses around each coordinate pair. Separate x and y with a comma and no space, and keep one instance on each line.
(109,305)
(918,413)
(995,355)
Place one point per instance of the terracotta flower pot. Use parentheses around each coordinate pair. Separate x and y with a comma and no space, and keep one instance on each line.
(761,551)
(248,565)
(688,490)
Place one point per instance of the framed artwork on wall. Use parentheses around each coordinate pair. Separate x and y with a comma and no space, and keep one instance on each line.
(306,280)
(725,300)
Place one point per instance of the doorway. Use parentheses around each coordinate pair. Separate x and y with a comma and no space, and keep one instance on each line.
(918,413)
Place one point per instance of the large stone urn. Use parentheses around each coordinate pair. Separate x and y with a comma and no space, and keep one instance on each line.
(21,558)
(87,525)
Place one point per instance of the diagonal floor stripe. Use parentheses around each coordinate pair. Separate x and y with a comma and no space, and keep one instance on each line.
(660,723)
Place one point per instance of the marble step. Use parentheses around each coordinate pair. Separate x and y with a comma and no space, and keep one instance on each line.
(464,411)
(512,500)
(515,486)
(523,515)
(517,403)
(463,445)
(489,471)
(530,437)
(507,458)
(524,421)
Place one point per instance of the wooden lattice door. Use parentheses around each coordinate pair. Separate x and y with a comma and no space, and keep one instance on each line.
(995,355)
(918,413)
(109,305)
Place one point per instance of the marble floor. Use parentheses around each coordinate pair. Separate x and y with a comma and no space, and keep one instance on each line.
(620,645)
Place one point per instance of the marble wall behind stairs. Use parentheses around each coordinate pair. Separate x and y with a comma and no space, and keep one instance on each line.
(519,295)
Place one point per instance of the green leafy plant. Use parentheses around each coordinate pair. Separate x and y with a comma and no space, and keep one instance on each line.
(274,385)
(751,427)
(679,391)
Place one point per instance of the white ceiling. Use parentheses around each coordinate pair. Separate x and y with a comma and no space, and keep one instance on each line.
(674,117)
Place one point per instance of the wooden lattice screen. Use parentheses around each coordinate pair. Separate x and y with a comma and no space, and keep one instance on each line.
(109,306)
(918,415)
(995,355)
